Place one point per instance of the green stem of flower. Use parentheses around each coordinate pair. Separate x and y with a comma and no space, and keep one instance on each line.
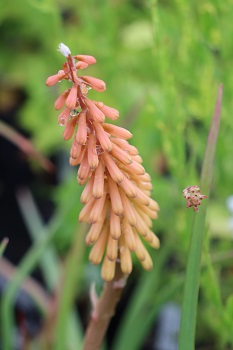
(192,281)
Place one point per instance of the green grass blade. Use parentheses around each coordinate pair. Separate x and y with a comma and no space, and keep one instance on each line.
(3,245)
(192,281)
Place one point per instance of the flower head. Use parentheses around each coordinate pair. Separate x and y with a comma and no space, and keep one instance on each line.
(193,196)
(116,197)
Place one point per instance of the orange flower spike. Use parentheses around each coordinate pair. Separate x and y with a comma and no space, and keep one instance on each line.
(93,159)
(81,134)
(117,194)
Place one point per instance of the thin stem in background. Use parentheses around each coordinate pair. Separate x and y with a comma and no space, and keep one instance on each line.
(68,290)
(192,281)
(3,245)
(25,145)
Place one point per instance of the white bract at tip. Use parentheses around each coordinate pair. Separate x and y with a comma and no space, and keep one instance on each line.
(65,51)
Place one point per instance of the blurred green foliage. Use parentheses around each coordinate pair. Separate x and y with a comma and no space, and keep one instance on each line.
(162,62)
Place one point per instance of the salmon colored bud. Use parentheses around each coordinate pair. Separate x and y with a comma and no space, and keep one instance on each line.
(97,209)
(117,131)
(113,169)
(125,257)
(84,168)
(128,234)
(87,192)
(129,212)
(115,197)
(85,58)
(115,225)
(54,79)
(108,269)
(97,252)
(69,130)
(85,212)
(81,65)
(96,114)
(81,134)
(72,98)
(60,101)
(112,248)
(128,187)
(102,136)
(96,84)
(121,155)
(93,159)
(109,112)
(64,117)
(147,263)
(123,144)
(98,186)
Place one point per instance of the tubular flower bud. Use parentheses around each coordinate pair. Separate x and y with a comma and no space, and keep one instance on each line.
(116,197)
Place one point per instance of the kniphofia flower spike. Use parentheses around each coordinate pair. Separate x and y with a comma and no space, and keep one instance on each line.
(116,197)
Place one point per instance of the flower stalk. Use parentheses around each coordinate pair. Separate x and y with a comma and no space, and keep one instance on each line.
(104,310)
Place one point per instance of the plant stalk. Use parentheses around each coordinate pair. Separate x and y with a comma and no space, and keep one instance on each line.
(104,310)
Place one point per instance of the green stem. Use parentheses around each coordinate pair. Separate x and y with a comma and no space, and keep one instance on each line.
(192,281)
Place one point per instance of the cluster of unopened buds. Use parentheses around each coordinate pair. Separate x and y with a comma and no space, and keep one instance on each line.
(117,193)
(193,197)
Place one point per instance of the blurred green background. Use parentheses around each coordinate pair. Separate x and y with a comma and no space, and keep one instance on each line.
(162,62)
